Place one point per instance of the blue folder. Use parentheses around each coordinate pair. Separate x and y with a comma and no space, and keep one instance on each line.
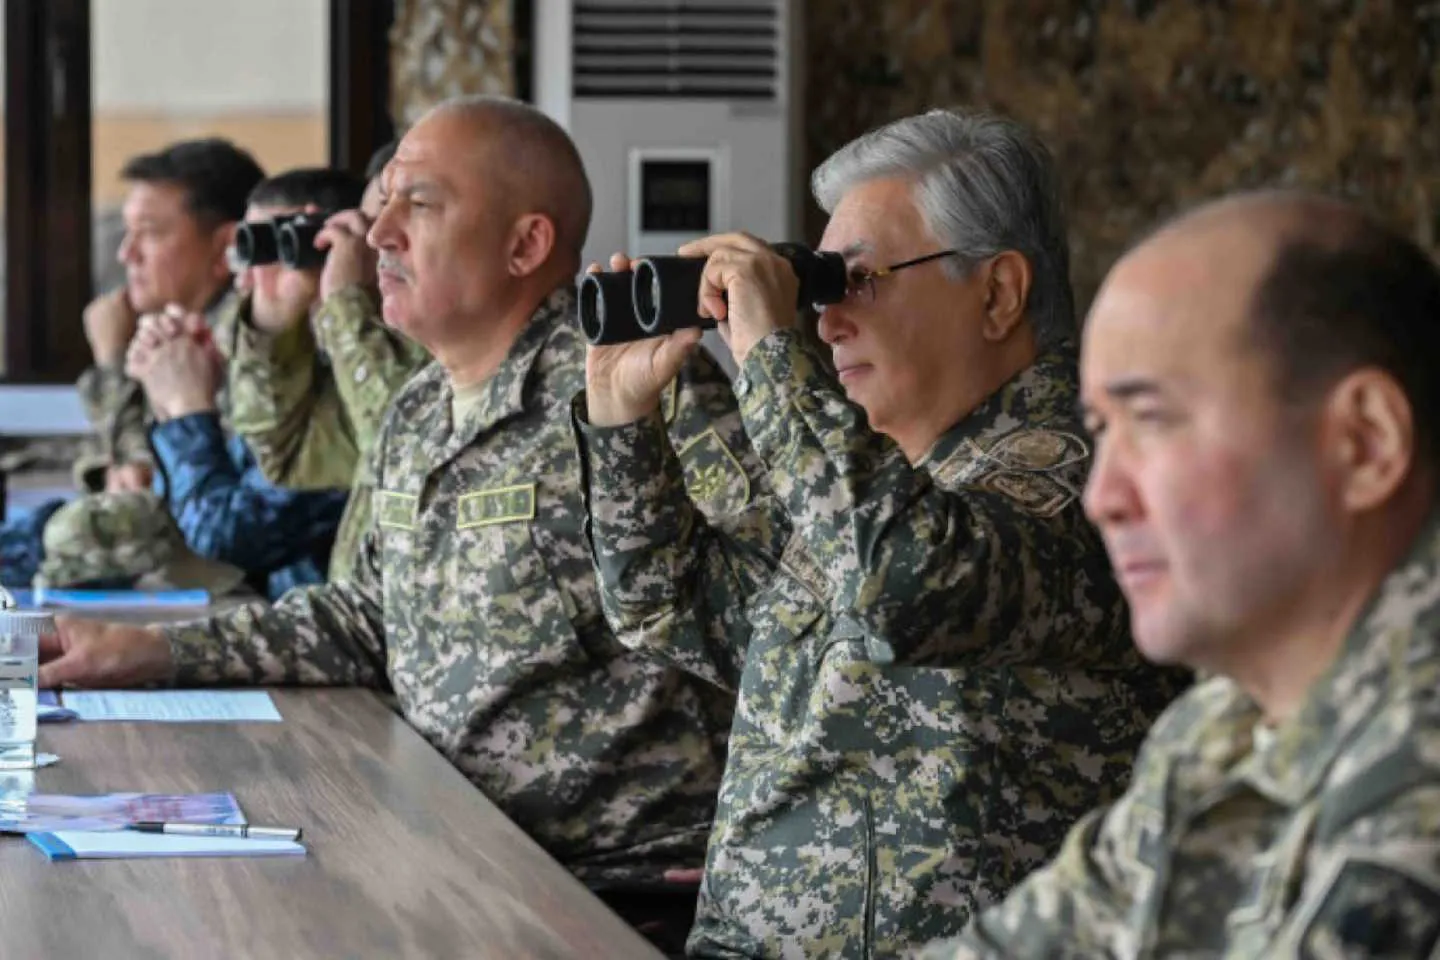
(115,598)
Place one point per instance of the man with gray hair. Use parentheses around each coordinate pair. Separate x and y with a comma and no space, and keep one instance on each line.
(929,648)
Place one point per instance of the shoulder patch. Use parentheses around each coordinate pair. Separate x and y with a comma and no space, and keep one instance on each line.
(713,474)
(1038,450)
(1372,908)
(1035,493)
(396,510)
(496,505)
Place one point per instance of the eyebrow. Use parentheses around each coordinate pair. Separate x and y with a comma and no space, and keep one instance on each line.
(421,185)
(1129,388)
(856,248)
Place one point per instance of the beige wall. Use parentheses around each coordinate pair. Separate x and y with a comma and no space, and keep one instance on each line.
(277,140)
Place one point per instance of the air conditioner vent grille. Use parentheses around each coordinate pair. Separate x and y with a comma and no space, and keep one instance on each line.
(677,49)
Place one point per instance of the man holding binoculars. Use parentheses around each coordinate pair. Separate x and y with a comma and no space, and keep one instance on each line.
(224,508)
(309,386)
(934,673)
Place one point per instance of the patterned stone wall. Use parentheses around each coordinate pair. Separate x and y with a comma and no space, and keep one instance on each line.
(1151,105)
(443,48)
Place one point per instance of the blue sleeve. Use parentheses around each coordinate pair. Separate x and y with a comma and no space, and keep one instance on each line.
(226,509)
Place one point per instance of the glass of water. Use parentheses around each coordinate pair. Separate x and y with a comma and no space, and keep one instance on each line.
(20,633)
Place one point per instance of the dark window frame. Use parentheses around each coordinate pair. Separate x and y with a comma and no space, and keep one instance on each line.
(47,138)
(360,120)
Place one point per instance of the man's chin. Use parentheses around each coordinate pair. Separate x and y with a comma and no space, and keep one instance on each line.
(1162,641)
(396,317)
(143,301)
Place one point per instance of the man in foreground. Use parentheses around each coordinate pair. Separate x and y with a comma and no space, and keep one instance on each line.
(1259,378)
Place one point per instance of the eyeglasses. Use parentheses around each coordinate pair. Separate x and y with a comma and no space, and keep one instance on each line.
(862,282)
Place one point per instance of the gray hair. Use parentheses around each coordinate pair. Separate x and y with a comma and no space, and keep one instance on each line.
(983,184)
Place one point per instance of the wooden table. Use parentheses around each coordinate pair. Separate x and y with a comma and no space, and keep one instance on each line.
(406,858)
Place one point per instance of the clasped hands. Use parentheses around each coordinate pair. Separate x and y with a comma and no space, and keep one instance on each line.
(175,359)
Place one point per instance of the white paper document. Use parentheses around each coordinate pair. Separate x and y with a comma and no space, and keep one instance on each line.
(125,844)
(173,706)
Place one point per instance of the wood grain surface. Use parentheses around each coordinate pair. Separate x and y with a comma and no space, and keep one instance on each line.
(406,858)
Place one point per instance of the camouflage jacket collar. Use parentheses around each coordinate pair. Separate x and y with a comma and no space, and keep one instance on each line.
(504,393)
(1044,395)
(1289,762)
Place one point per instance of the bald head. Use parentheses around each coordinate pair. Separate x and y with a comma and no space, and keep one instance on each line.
(1318,286)
(1257,375)
(528,155)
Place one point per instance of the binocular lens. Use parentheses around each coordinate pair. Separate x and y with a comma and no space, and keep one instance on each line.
(645,288)
(255,244)
(607,314)
(296,242)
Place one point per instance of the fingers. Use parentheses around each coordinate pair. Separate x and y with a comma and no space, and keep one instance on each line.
(59,661)
(161,326)
(619,262)
(348,221)
(705,246)
(672,352)
(346,225)
(721,269)
(687,876)
(51,647)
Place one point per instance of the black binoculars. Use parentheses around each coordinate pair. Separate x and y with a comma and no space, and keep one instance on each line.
(288,239)
(658,295)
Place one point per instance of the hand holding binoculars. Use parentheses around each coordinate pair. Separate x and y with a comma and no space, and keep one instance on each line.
(659,295)
(288,239)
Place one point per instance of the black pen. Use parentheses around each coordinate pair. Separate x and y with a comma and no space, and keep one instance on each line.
(217,830)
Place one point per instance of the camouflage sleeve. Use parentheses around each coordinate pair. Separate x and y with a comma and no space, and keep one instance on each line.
(933,576)
(370,362)
(285,405)
(115,406)
(671,582)
(1082,903)
(330,634)
(1074,907)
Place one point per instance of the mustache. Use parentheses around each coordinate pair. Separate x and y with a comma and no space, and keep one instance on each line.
(1127,544)
(390,263)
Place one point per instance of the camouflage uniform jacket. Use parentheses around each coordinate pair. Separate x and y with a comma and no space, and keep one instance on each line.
(1319,837)
(310,400)
(116,407)
(935,678)
(477,603)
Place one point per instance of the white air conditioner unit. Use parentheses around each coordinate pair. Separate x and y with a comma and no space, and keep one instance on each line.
(686,113)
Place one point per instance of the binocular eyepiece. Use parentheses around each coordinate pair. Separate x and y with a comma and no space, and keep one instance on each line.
(658,295)
(288,239)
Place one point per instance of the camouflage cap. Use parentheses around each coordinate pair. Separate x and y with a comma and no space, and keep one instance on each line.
(119,536)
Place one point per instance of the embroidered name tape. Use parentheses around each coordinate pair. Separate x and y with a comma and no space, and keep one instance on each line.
(396,510)
(498,505)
